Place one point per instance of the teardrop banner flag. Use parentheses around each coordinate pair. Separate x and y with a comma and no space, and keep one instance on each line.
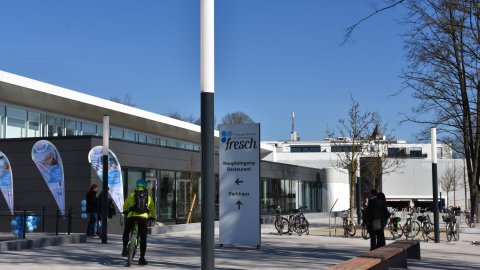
(115,182)
(48,161)
(6,180)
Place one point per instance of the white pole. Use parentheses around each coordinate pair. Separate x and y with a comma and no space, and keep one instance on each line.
(207,46)
(104,206)
(106,134)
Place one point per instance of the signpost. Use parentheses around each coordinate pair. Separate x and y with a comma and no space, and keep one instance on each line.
(239,170)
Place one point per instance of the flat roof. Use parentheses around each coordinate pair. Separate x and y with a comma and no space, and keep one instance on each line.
(51,98)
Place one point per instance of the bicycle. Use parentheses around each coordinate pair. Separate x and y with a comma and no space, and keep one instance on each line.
(452,230)
(411,228)
(469,219)
(394,226)
(426,225)
(298,222)
(281,224)
(132,244)
(349,228)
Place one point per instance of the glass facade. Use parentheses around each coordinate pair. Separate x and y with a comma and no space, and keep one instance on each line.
(285,193)
(18,122)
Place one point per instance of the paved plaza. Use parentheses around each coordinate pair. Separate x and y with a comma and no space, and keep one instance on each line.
(181,250)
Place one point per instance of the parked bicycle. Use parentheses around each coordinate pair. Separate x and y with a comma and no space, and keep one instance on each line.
(411,228)
(452,229)
(281,224)
(426,225)
(298,222)
(469,219)
(349,228)
(394,226)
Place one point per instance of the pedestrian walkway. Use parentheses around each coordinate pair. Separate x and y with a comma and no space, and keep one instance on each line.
(181,250)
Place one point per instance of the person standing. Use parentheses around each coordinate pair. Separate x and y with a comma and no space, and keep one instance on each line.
(376,216)
(92,209)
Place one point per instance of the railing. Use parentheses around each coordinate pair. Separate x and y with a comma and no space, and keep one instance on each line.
(43,215)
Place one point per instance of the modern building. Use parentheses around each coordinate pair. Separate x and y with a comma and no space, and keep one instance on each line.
(409,176)
(163,150)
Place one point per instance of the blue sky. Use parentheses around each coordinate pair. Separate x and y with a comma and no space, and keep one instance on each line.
(272,57)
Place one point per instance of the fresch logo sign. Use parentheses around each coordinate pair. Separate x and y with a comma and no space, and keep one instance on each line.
(238,141)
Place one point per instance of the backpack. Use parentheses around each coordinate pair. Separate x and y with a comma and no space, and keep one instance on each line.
(140,201)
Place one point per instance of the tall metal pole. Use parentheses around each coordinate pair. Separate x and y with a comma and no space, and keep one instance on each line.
(436,220)
(207,88)
(106,135)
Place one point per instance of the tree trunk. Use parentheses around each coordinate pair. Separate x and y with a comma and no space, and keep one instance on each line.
(352,194)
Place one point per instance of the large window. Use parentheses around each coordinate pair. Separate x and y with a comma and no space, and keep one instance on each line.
(72,127)
(34,127)
(16,121)
(116,133)
(298,149)
(54,126)
(2,121)
(129,135)
(89,129)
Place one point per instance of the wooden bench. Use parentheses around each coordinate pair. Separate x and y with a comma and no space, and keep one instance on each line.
(392,255)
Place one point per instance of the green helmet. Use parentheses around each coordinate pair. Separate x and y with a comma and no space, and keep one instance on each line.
(142,183)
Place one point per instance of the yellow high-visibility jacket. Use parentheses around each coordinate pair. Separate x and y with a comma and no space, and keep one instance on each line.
(130,201)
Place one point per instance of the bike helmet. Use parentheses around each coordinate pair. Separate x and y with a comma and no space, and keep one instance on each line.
(142,183)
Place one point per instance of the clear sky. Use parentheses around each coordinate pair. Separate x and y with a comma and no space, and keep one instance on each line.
(272,57)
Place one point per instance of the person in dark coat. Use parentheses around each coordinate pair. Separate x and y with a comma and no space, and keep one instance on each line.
(377,216)
(92,209)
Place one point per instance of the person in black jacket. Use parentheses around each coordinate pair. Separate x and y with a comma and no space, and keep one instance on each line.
(376,218)
(92,209)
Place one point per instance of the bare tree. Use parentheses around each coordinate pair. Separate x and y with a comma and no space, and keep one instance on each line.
(377,160)
(451,180)
(190,118)
(236,118)
(127,100)
(444,53)
(349,30)
(350,141)
(443,43)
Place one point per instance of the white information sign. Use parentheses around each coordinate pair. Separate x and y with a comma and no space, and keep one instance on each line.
(239,170)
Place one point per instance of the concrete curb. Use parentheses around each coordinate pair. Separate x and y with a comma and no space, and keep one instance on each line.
(40,242)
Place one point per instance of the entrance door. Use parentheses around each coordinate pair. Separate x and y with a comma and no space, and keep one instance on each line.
(183,199)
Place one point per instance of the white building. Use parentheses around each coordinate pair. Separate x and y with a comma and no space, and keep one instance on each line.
(412,180)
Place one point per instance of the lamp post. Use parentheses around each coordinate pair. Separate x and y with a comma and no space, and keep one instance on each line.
(436,219)
(207,88)
(106,135)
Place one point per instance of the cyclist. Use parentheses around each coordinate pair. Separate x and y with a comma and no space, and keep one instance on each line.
(138,205)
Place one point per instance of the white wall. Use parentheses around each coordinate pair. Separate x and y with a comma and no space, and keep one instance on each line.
(414,180)
(335,186)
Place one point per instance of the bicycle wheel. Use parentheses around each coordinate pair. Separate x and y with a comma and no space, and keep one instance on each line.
(298,225)
(395,231)
(307,227)
(282,226)
(427,231)
(351,229)
(468,221)
(449,232)
(365,234)
(132,246)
